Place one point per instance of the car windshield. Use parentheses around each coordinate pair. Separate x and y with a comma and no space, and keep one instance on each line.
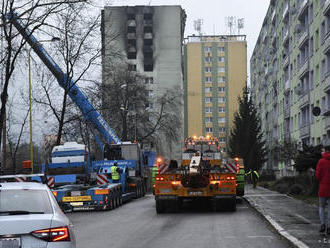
(24,201)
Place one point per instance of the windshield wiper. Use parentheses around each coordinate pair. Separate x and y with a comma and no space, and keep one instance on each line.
(18,212)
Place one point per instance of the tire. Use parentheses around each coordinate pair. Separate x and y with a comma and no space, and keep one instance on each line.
(160,207)
(232,205)
(216,205)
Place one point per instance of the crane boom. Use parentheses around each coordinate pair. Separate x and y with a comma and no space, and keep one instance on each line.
(91,115)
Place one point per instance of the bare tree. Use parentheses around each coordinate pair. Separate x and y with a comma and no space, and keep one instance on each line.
(133,111)
(78,53)
(34,14)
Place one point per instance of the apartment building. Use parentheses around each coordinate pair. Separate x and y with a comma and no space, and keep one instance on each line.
(150,39)
(290,74)
(215,74)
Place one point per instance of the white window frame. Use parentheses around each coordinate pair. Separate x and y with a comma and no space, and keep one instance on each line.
(222,119)
(221,69)
(222,108)
(208,109)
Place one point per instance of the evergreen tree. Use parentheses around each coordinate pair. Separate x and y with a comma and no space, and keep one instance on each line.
(307,157)
(246,138)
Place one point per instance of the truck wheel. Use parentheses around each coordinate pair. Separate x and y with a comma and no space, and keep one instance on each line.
(160,207)
(216,205)
(232,205)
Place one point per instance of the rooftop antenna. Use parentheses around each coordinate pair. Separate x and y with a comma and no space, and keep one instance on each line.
(231,23)
(198,26)
(240,24)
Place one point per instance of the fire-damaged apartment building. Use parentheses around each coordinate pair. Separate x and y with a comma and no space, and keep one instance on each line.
(149,39)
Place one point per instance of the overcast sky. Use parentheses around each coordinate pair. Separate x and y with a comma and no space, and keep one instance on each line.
(214,13)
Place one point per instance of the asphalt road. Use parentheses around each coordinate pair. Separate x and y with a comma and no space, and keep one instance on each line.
(136,225)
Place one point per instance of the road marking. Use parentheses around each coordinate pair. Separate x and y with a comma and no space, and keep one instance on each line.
(303,218)
(252,195)
(267,237)
(284,233)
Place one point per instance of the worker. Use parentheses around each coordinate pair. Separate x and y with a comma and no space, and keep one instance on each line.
(254,177)
(115,173)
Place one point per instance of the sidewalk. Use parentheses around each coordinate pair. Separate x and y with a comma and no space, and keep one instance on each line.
(295,220)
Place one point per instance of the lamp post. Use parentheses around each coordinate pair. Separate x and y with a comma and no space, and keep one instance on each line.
(30,98)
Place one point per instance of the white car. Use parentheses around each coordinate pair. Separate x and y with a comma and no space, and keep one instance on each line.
(30,217)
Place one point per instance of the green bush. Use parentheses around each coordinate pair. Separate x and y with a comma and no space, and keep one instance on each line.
(296,189)
(282,188)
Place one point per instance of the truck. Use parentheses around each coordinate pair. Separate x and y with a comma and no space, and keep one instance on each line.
(75,182)
(201,175)
(236,165)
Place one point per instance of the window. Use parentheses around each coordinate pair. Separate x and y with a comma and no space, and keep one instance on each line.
(222,99)
(221,110)
(207,49)
(221,89)
(131,67)
(208,69)
(208,109)
(222,119)
(221,69)
(209,129)
(208,99)
(221,59)
(208,119)
(222,140)
(221,49)
(149,80)
(221,79)
(208,79)
(149,105)
(208,59)
(222,129)
(150,93)
(208,89)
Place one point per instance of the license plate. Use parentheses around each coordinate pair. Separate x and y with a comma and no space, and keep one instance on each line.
(224,189)
(195,193)
(10,243)
(76,198)
(165,190)
(75,204)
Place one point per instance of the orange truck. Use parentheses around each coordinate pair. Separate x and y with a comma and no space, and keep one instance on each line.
(201,175)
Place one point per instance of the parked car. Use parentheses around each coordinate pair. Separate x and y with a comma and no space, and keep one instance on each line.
(31,217)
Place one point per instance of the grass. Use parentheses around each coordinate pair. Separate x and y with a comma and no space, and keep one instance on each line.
(310,199)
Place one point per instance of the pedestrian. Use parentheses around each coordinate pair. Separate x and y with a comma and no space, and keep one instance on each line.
(322,175)
(254,177)
(115,173)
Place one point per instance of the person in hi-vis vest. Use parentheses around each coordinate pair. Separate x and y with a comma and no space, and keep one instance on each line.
(115,173)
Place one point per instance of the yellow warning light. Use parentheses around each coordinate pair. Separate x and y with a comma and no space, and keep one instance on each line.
(195,137)
(236,159)
(159,160)
(208,136)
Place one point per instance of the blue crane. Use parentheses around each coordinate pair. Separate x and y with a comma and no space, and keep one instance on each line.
(90,114)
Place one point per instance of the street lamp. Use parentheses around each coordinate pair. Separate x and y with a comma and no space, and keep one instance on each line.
(30,97)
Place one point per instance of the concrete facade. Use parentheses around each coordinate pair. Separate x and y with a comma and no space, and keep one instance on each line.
(150,39)
(290,75)
(215,74)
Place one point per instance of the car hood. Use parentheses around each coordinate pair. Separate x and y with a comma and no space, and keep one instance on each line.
(21,224)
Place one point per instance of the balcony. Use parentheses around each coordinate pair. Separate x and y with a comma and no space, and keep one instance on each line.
(264,38)
(148,36)
(302,8)
(327,82)
(326,42)
(273,19)
(285,35)
(286,111)
(285,61)
(131,36)
(327,123)
(131,23)
(305,131)
(303,68)
(304,99)
(286,10)
(147,22)
(303,37)
(326,7)
(287,85)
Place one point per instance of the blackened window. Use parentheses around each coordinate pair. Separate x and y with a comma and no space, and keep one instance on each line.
(147,29)
(131,29)
(147,16)
(148,42)
(131,67)
(148,67)
(131,42)
(131,55)
(130,17)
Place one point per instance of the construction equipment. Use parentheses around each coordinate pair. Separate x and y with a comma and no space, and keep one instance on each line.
(75,182)
(202,175)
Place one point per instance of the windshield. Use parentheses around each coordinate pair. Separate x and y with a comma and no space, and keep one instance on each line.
(24,201)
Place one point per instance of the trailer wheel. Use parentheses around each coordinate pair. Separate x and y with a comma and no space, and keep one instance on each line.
(118,198)
(232,205)
(216,204)
(160,208)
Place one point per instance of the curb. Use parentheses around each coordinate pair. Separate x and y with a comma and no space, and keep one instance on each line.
(281,231)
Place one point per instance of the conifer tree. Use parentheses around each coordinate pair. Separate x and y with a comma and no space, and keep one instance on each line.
(246,138)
